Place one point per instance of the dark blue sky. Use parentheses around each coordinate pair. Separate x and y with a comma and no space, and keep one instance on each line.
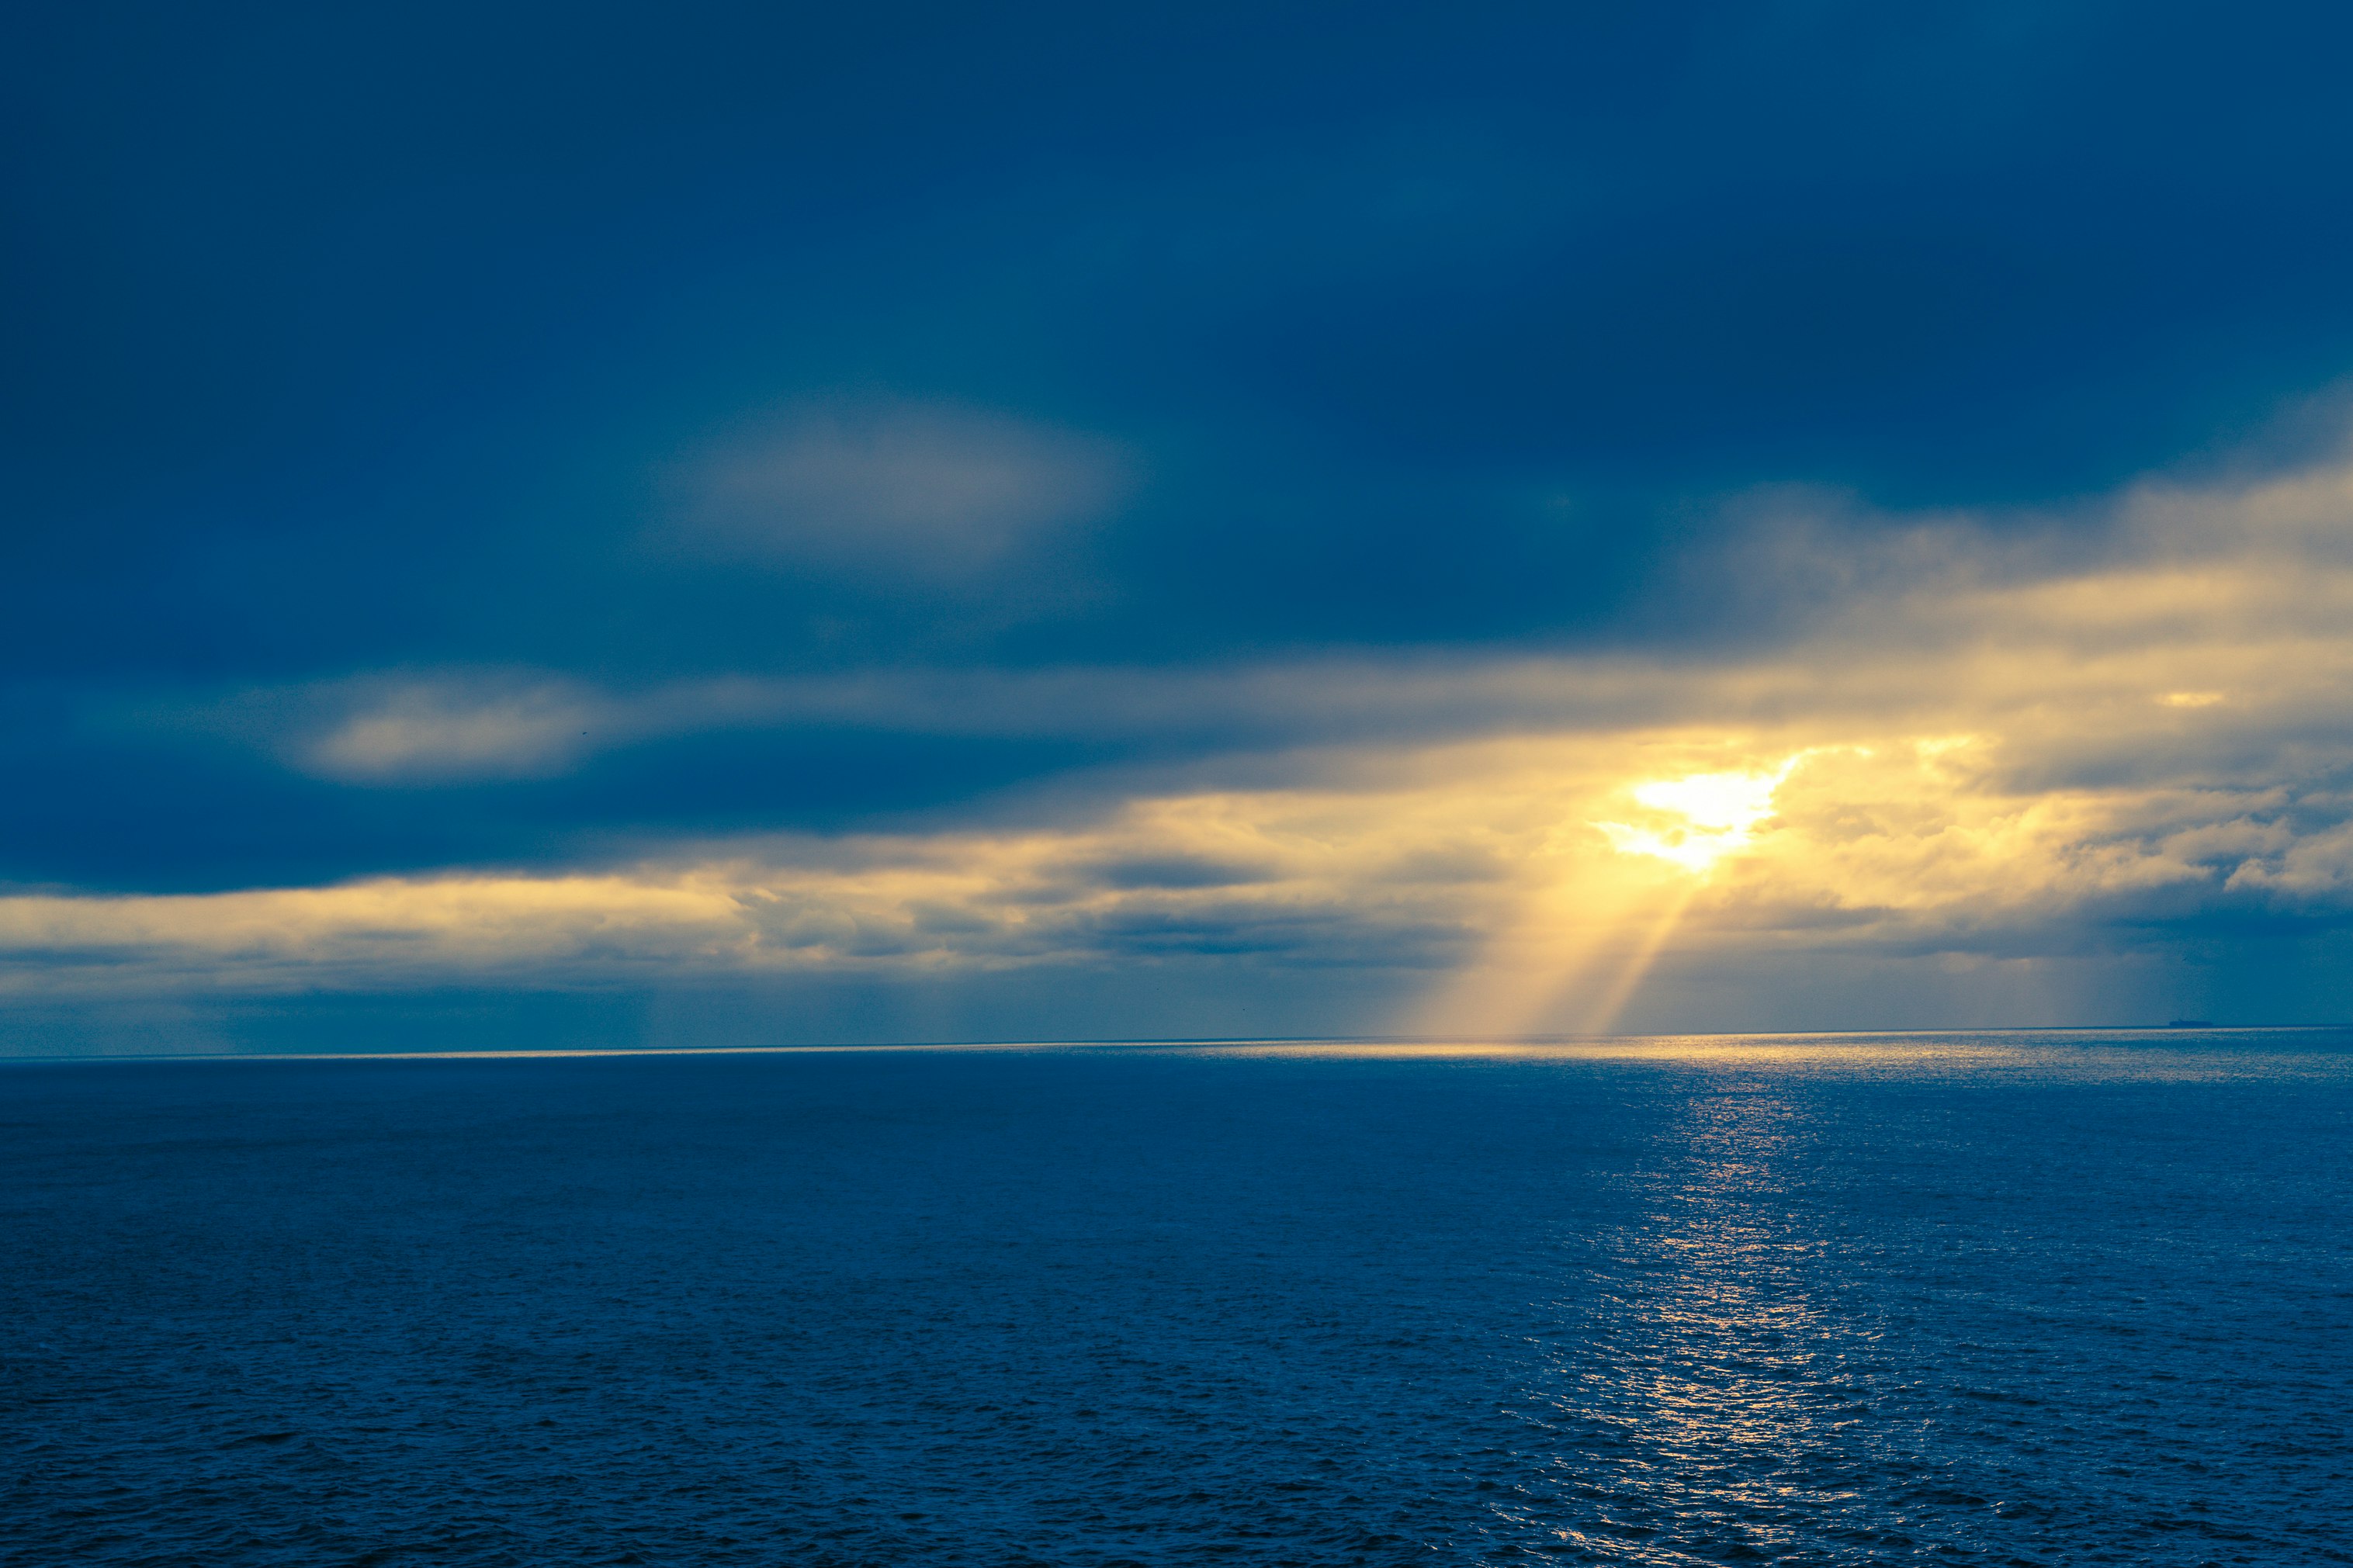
(340,337)
(532,350)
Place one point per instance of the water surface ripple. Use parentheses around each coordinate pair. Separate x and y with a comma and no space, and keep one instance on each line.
(2033,1299)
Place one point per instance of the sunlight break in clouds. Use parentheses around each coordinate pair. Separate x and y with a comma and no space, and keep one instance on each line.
(1977,757)
(1587,942)
(1719,811)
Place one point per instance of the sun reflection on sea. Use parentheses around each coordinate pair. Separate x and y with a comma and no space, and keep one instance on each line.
(1708,1368)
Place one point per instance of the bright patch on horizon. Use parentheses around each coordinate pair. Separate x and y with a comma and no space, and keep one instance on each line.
(1720,815)
(2190,699)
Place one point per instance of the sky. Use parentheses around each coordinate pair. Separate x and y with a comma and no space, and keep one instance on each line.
(718,524)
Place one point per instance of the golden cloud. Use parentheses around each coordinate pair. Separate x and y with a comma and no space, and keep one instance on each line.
(1972,749)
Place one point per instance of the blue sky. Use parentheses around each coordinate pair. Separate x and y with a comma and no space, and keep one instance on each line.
(731,525)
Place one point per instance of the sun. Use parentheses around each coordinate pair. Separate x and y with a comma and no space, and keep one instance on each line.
(1720,814)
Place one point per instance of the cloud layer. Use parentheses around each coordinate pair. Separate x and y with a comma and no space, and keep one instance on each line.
(1520,516)
(1971,751)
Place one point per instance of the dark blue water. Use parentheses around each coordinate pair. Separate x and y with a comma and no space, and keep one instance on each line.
(2006,1299)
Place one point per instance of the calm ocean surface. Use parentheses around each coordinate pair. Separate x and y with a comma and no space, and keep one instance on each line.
(2023,1299)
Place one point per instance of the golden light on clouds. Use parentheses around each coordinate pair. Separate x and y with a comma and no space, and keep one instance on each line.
(1973,755)
(1718,814)
(1585,937)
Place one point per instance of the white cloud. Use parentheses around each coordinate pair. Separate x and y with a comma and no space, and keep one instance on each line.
(450,730)
(908,490)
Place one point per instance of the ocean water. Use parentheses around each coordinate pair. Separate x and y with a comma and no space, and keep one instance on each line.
(2055,1298)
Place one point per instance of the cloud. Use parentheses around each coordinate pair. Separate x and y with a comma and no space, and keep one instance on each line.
(1983,750)
(460,726)
(2226,601)
(446,729)
(909,491)
(1906,848)
(385,929)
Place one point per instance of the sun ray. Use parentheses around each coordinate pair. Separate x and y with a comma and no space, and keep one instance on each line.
(1567,936)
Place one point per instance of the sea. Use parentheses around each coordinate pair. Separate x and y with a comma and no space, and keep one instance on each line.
(2063,1298)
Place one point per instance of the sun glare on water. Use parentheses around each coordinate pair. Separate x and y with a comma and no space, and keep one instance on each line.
(1720,814)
